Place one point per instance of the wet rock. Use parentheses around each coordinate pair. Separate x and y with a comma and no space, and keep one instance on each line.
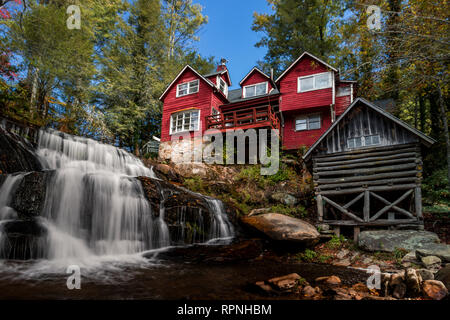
(283,228)
(29,198)
(16,154)
(255,212)
(434,289)
(439,250)
(284,198)
(431,261)
(285,283)
(389,240)
(23,240)
(329,282)
(444,276)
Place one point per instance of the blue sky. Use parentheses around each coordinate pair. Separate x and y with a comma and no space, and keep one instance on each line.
(228,34)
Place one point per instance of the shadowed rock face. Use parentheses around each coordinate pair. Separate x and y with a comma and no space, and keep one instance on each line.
(29,197)
(23,240)
(16,154)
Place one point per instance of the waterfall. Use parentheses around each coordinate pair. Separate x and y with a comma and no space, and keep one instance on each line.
(94,205)
(221,226)
(6,193)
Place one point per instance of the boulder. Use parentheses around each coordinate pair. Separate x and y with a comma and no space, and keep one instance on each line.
(426,274)
(255,212)
(283,228)
(166,171)
(434,289)
(23,240)
(285,283)
(444,276)
(430,261)
(439,250)
(330,281)
(413,279)
(389,240)
(29,198)
(284,198)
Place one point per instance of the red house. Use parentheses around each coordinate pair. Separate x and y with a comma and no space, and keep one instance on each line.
(302,102)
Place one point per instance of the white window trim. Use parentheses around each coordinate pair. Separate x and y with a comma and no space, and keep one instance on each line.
(252,85)
(184,130)
(363,141)
(307,122)
(189,85)
(219,78)
(313,76)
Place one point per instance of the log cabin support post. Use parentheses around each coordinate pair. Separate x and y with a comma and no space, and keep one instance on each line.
(366,209)
(320,207)
(356,231)
(418,202)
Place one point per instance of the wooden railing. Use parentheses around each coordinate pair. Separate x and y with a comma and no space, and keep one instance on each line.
(255,117)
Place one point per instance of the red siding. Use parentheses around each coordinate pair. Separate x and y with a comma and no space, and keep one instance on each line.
(291,99)
(342,102)
(256,77)
(295,139)
(202,100)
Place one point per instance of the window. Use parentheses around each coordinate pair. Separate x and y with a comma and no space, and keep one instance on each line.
(364,141)
(311,122)
(343,91)
(255,90)
(184,89)
(314,82)
(184,121)
(223,86)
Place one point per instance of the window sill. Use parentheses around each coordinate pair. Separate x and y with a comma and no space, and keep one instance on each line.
(303,91)
(177,96)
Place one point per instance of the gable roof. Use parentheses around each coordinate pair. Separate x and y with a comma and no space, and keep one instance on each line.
(221,72)
(181,72)
(251,71)
(298,59)
(424,138)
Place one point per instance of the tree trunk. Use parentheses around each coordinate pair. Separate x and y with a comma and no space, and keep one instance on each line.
(443,109)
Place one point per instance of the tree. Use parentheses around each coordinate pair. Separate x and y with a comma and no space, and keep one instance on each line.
(297,26)
(183,20)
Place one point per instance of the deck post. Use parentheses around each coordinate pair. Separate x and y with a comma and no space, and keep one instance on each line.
(320,207)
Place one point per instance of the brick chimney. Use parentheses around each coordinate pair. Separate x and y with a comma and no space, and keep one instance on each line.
(222,66)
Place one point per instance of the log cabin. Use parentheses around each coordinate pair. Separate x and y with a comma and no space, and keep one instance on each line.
(367,170)
(301,103)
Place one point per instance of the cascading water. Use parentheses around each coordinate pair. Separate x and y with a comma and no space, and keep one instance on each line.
(94,204)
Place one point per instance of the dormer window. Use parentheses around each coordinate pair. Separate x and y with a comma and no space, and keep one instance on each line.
(256,89)
(315,82)
(186,88)
(223,86)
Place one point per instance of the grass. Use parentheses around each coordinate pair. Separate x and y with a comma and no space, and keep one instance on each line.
(295,212)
